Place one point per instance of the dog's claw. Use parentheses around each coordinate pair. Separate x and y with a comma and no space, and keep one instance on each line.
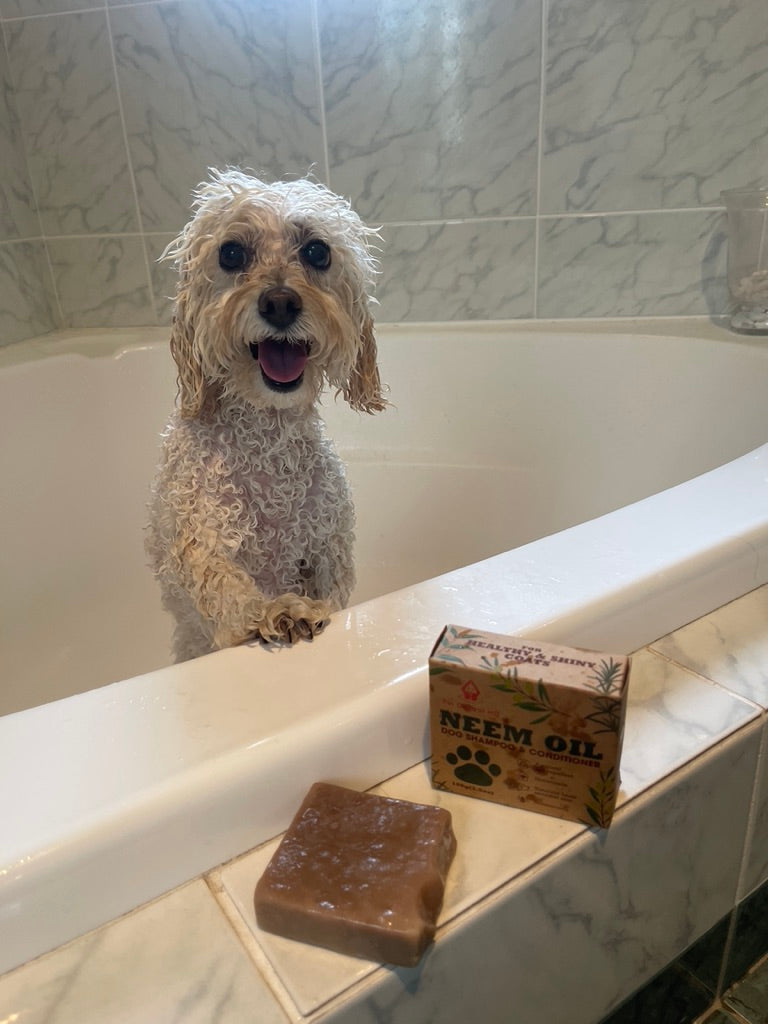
(304,629)
(307,629)
(290,630)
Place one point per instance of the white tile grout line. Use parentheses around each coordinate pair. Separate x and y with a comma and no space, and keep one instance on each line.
(95,236)
(730,1015)
(251,946)
(552,216)
(95,8)
(320,91)
(91,9)
(436,222)
(540,153)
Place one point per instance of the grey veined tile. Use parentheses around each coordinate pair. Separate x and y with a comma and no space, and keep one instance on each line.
(163,274)
(18,217)
(102,282)
(472,271)
(432,108)
(755,872)
(673,717)
(648,264)
(211,84)
(32,8)
(27,305)
(653,105)
(729,646)
(65,87)
(176,959)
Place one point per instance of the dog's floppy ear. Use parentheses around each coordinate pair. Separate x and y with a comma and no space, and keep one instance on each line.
(196,396)
(363,389)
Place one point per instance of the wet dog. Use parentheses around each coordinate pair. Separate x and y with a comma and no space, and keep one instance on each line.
(251,521)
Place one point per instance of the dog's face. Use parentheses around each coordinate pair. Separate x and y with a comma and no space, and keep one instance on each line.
(273,297)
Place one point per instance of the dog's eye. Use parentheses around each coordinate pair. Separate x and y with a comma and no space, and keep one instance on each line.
(316,254)
(232,256)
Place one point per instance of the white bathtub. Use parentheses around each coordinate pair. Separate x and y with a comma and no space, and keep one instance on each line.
(500,434)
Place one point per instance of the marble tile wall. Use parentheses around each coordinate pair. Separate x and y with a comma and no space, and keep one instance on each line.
(26,299)
(525,158)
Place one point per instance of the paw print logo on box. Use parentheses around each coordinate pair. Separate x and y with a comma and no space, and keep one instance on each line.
(478,770)
(470,691)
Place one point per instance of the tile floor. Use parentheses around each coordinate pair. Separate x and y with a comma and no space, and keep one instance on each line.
(747,1000)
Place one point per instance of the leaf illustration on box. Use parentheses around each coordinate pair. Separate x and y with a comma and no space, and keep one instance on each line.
(603,799)
(607,714)
(448,677)
(461,636)
(437,783)
(607,676)
(494,666)
(528,696)
(436,670)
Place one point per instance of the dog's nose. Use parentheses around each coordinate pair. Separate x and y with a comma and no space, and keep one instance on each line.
(280,305)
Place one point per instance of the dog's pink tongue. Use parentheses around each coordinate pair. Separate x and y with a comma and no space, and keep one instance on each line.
(282,361)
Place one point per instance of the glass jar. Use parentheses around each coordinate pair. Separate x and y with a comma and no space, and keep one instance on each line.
(748,257)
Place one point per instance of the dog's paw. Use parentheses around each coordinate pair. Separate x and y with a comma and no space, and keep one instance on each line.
(290,630)
(290,618)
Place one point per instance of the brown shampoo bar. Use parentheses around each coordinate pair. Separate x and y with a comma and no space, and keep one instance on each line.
(360,874)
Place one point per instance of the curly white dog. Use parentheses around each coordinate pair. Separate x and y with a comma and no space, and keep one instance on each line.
(251,521)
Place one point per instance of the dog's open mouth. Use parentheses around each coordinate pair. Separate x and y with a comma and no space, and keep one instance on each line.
(282,362)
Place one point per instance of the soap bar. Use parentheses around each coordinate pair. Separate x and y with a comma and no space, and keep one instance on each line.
(359,873)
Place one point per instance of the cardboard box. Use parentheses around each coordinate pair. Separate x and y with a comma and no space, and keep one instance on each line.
(526,723)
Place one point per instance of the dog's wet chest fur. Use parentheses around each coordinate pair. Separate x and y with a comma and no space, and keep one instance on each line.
(274,478)
(273,490)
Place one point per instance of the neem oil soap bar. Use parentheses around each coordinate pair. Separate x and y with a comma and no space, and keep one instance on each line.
(359,873)
(527,723)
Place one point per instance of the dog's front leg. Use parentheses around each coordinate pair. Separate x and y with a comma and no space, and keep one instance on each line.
(227,598)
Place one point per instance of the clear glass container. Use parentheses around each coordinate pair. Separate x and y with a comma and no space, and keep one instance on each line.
(748,257)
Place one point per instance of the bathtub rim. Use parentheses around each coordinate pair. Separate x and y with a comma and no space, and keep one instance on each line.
(75,862)
(93,342)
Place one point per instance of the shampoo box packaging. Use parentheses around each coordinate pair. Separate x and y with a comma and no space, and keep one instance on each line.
(527,723)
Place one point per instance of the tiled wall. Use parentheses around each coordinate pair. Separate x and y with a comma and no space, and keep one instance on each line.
(525,157)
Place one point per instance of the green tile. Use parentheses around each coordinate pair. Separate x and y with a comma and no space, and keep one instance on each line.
(673,997)
(749,997)
(750,941)
(704,959)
